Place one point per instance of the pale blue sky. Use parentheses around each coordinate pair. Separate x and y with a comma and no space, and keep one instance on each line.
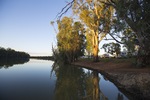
(25,25)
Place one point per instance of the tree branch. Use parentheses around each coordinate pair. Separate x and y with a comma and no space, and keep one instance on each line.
(108,2)
(115,39)
(64,10)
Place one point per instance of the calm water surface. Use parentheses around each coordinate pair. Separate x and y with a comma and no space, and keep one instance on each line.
(44,80)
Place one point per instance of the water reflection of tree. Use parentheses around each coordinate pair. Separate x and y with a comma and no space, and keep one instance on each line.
(75,84)
(93,88)
(69,83)
(120,96)
(10,62)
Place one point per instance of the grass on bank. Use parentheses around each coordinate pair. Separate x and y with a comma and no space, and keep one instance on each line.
(115,60)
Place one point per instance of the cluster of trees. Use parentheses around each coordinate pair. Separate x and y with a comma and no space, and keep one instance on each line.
(9,57)
(70,40)
(124,19)
(12,54)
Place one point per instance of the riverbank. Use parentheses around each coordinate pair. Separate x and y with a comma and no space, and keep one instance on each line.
(123,73)
(43,57)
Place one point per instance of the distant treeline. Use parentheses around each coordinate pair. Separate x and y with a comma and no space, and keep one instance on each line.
(9,57)
(12,54)
(43,57)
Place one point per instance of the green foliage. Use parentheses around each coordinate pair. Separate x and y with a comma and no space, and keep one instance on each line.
(70,39)
(112,48)
(89,47)
(129,40)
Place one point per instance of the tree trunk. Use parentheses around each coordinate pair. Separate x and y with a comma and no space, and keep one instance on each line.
(95,47)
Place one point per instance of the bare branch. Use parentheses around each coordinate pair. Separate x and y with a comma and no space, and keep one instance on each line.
(115,39)
(64,9)
(108,39)
(52,23)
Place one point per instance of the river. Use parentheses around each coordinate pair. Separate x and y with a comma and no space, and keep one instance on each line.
(44,80)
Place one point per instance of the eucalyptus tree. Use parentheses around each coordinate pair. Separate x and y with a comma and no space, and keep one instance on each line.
(112,48)
(64,37)
(136,14)
(89,48)
(78,39)
(96,17)
(70,39)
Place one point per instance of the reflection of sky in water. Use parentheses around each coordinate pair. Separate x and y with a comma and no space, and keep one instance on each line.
(109,89)
(26,82)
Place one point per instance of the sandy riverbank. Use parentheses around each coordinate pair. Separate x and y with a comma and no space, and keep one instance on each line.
(124,74)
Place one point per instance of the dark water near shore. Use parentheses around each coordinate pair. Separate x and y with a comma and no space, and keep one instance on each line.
(44,80)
